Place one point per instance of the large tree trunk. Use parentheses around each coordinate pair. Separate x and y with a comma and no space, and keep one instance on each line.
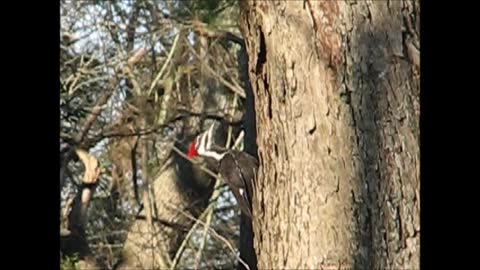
(336,87)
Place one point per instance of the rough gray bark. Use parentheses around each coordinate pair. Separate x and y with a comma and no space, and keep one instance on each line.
(336,88)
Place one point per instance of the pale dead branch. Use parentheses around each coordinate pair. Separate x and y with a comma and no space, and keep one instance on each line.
(133,79)
(64,231)
(203,168)
(137,56)
(162,70)
(214,234)
(92,168)
(205,232)
(236,145)
(185,241)
(90,178)
(236,89)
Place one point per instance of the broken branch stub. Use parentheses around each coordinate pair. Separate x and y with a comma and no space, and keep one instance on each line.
(92,167)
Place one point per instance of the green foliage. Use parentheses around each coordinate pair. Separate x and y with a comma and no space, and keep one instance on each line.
(69,262)
(207,11)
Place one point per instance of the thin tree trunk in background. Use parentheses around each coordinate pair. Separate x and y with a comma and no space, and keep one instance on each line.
(336,87)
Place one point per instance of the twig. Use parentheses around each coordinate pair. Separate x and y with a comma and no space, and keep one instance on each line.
(214,233)
(65,220)
(210,208)
(137,56)
(239,91)
(133,154)
(162,70)
(133,79)
(107,246)
(205,233)
(75,78)
(208,211)
(109,133)
(180,250)
(96,79)
(126,67)
(95,111)
(203,168)
(106,234)
(202,29)
(182,247)
(236,145)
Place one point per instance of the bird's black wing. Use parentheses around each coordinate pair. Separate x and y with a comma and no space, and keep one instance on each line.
(249,171)
(238,169)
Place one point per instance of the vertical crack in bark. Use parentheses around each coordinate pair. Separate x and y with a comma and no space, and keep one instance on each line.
(262,54)
(261,72)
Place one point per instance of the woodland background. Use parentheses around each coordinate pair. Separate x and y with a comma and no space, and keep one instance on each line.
(326,93)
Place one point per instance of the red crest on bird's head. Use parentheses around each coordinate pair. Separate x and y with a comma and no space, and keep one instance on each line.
(201,144)
(192,149)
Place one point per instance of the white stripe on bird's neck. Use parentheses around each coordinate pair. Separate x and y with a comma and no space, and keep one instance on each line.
(213,155)
(205,142)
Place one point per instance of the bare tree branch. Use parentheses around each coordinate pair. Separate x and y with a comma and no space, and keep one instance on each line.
(236,89)
(214,233)
(92,168)
(162,70)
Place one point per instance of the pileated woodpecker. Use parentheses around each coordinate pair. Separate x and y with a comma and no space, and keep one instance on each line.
(236,168)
